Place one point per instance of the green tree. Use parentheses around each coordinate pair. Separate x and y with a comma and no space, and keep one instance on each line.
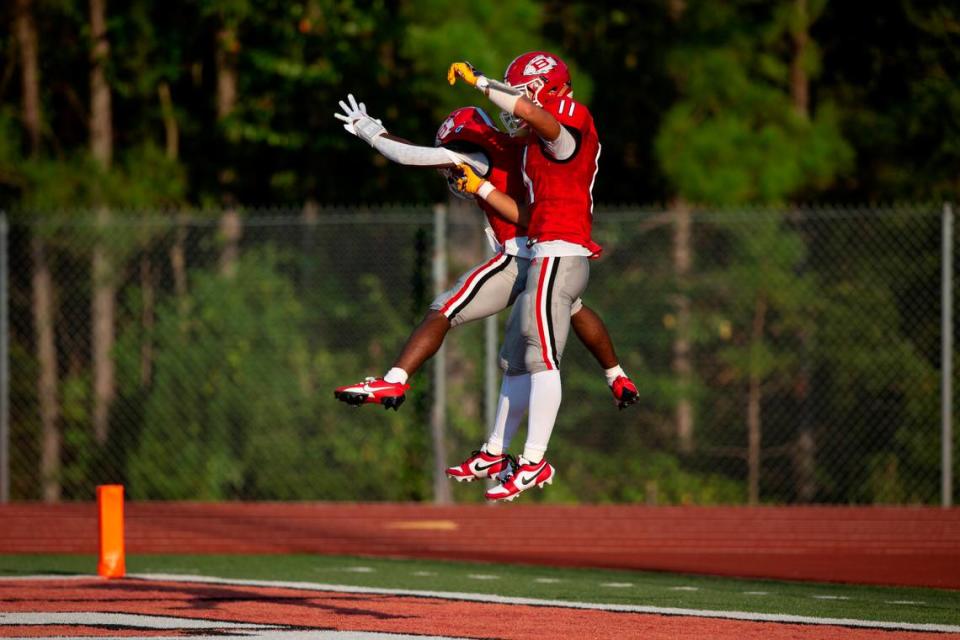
(734,136)
(741,131)
(224,374)
(896,95)
(236,373)
(622,48)
(487,34)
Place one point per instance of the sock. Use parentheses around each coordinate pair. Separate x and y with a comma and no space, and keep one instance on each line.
(396,374)
(545,395)
(514,399)
(612,374)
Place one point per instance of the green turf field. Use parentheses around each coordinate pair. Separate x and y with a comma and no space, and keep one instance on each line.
(584,585)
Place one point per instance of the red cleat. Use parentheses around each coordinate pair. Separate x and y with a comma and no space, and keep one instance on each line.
(373,391)
(527,475)
(624,392)
(480,464)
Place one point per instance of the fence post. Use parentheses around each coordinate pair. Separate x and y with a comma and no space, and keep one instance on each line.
(4,366)
(438,413)
(946,372)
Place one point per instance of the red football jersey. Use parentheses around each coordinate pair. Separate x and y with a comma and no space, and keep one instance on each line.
(504,153)
(560,193)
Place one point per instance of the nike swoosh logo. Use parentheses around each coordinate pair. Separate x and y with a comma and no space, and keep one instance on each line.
(529,480)
(492,464)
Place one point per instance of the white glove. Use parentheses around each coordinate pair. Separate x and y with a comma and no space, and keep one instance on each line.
(357,122)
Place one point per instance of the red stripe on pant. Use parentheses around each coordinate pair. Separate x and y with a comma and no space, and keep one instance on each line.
(466,285)
(543,330)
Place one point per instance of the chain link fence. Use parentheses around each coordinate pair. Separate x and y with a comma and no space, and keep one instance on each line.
(783,356)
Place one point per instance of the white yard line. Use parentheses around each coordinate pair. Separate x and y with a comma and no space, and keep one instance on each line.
(48,576)
(282,634)
(135,620)
(221,629)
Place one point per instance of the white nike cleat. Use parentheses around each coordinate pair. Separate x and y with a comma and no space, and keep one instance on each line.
(480,464)
(526,476)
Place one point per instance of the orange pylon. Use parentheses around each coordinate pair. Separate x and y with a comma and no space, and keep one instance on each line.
(110,504)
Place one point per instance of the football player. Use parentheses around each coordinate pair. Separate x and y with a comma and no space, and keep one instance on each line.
(469,139)
(559,166)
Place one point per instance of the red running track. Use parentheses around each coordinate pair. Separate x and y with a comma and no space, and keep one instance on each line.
(868,545)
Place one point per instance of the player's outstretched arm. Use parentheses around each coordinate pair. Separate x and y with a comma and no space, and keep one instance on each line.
(503,204)
(509,99)
(359,123)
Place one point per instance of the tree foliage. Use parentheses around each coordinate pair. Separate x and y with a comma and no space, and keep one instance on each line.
(719,104)
(734,135)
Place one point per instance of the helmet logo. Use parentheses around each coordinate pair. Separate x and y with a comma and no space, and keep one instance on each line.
(445,129)
(539,64)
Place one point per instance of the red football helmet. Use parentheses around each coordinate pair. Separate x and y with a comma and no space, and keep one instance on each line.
(466,124)
(537,73)
(465,129)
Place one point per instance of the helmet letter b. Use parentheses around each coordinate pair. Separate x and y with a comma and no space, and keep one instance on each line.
(539,65)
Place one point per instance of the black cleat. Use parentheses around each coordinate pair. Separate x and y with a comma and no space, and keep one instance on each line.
(393,402)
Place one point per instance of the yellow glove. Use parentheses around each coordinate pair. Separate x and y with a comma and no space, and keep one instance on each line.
(466,71)
(468,182)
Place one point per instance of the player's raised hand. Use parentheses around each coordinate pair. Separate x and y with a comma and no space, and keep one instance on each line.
(468,181)
(351,113)
(467,73)
(356,120)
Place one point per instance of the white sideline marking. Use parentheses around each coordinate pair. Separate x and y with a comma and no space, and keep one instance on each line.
(483,576)
(359,569)
(684,588)
(538,602)
(424,573)
(282,634)
(830,597)
(904,602)
(137,621)
(546,580)
(756,593)
(616,585)
(47,576)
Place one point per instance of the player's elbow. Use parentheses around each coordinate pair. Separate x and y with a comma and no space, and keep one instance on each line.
(523,216)
(544,124)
